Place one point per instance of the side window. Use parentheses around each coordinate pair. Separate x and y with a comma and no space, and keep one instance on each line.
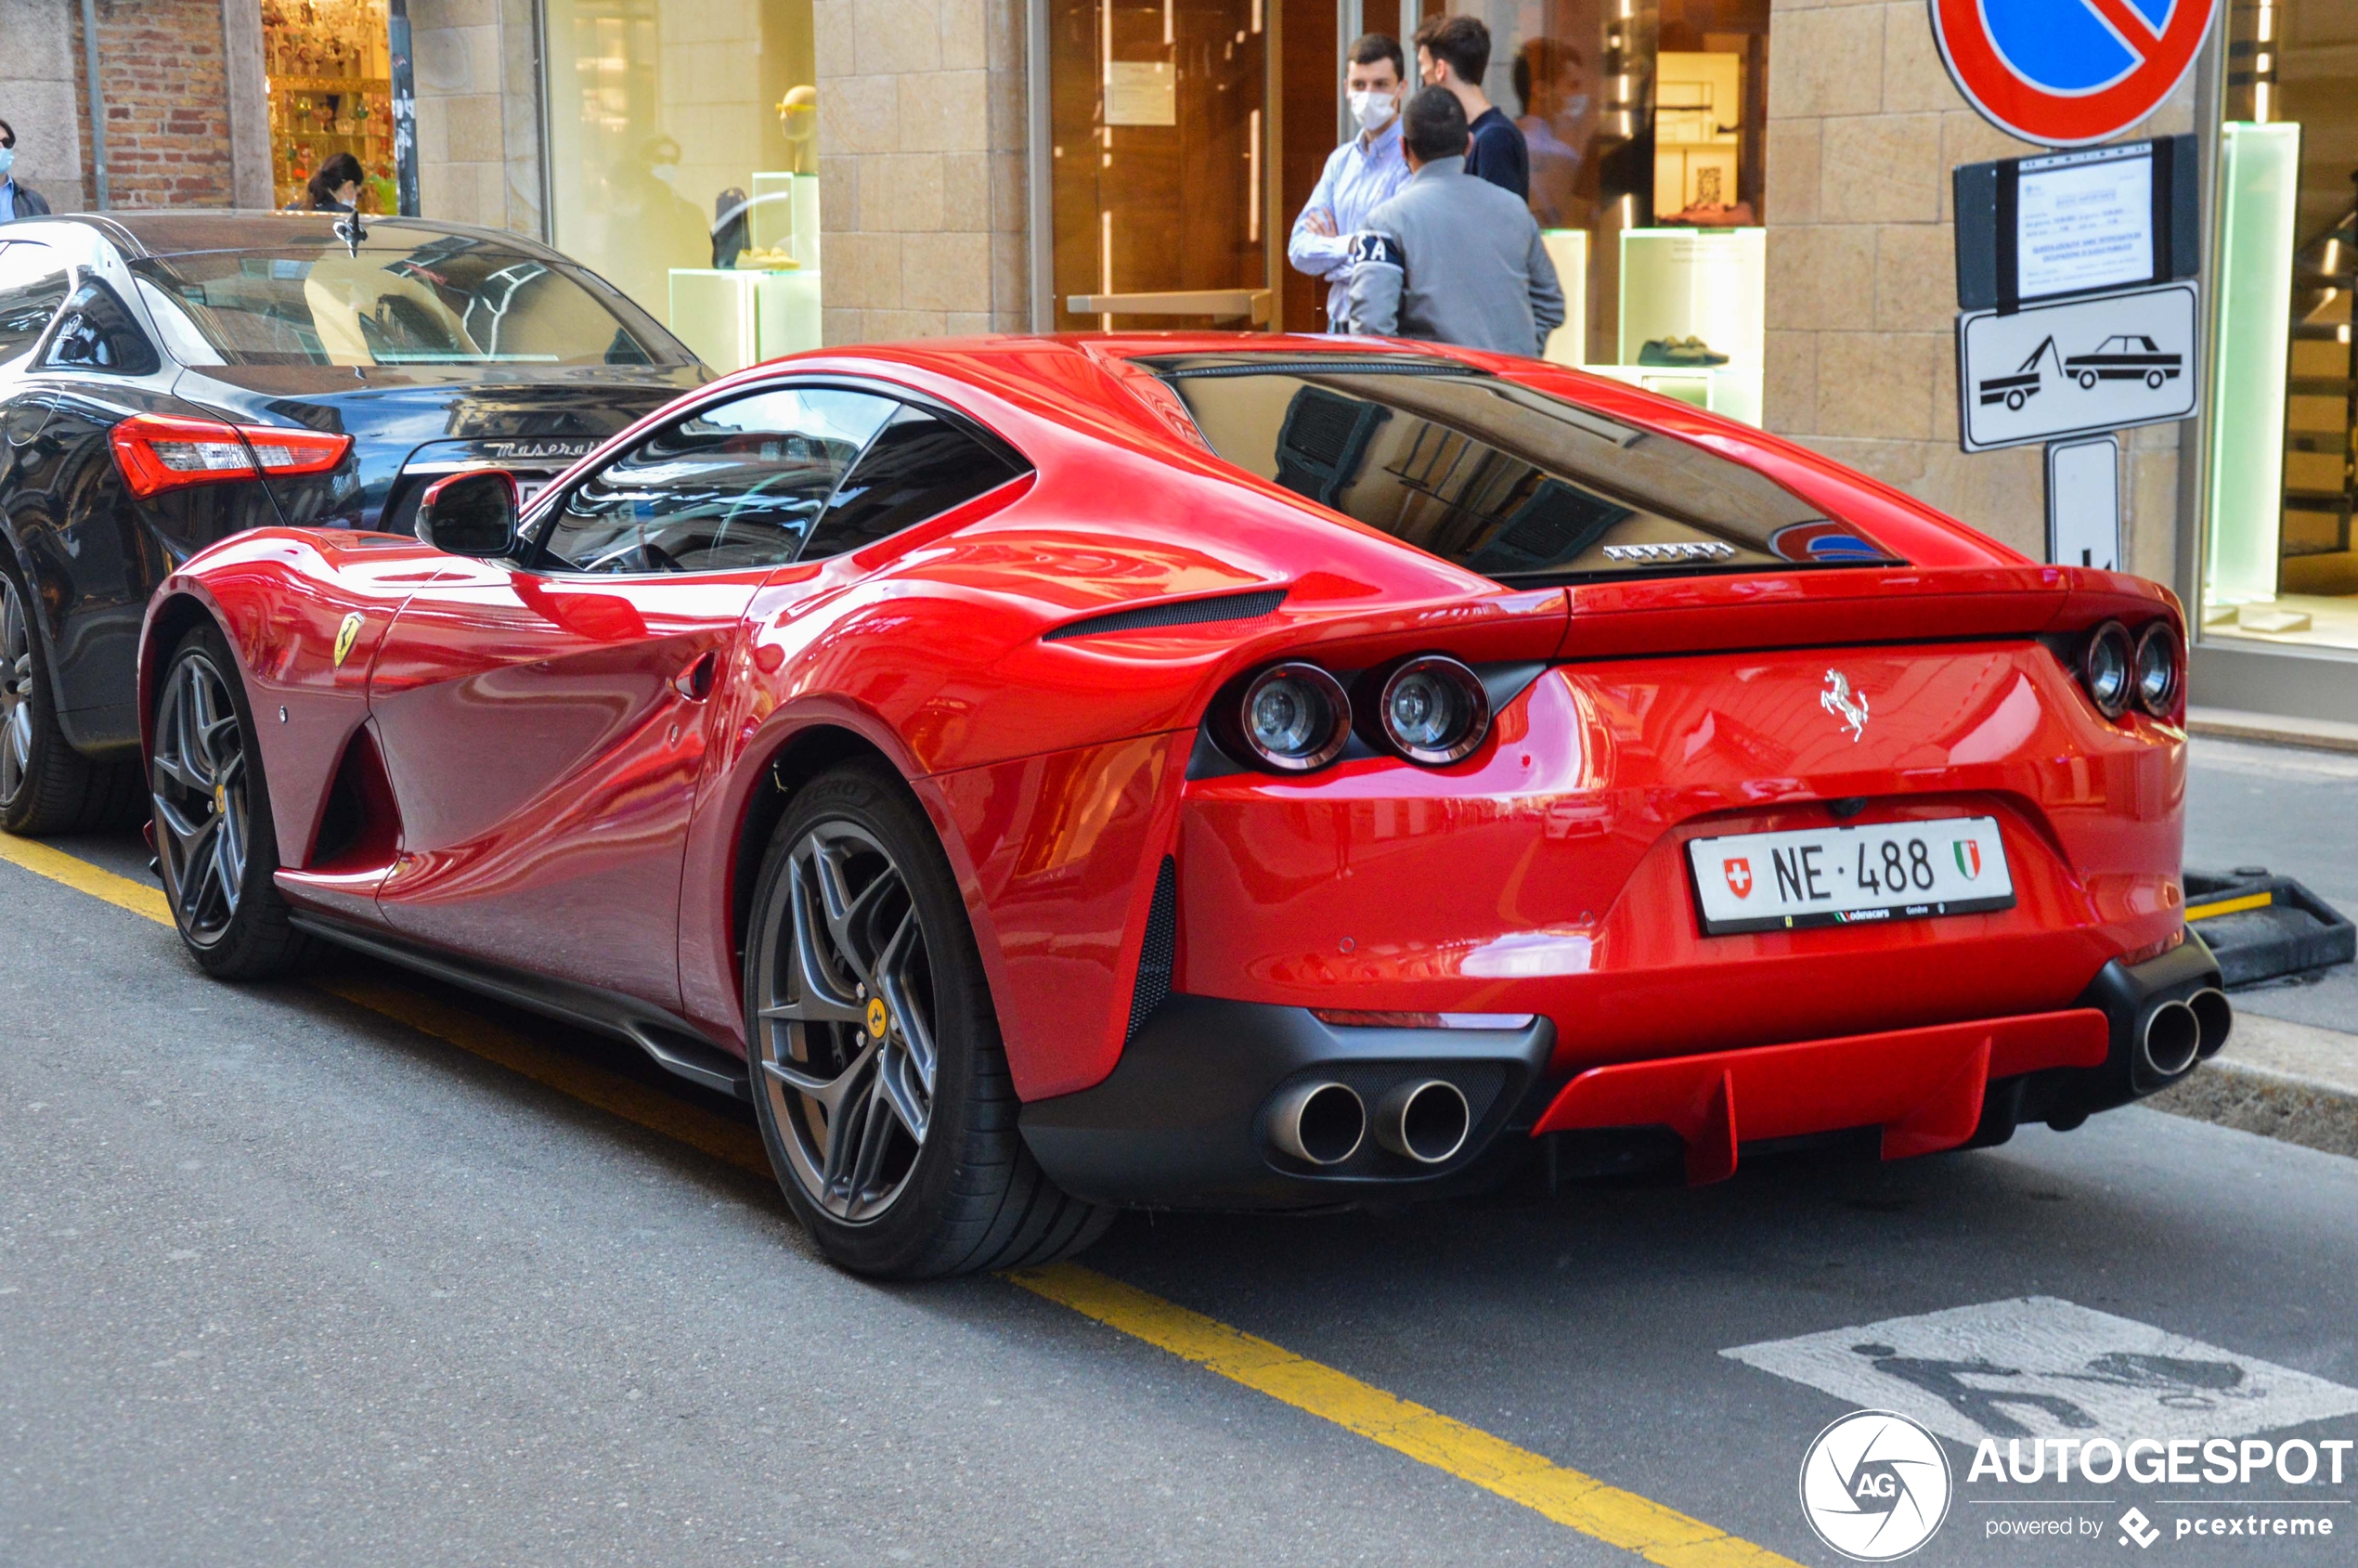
(32,285)
(734,486)
(919,467)
(97,333)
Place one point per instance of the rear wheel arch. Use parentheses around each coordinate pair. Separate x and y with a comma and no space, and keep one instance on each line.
(167,624)
(792,763)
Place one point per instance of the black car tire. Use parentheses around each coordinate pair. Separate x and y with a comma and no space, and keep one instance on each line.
(965,1194)
(45,785)
(214,841)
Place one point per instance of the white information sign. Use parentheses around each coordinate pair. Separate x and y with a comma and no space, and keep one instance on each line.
(2077,367)
(2084,220)
(2083,503)
(1141,93)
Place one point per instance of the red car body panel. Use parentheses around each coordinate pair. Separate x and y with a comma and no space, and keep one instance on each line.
(569,804)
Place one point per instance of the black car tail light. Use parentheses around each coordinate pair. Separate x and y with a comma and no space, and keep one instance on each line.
(2107,662)
(1290,718)
(2160,669)
(1432,710)
(159,452)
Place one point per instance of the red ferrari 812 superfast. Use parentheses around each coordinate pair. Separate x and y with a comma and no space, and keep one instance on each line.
(1049,775)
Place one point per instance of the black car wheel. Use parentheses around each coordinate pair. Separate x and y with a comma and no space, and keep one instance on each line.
(45,785)
(214,842)
(880,1081)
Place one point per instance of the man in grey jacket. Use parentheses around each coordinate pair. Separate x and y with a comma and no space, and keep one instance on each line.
(1452,258)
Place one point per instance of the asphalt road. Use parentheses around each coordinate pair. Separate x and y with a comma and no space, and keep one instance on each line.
(284,1280)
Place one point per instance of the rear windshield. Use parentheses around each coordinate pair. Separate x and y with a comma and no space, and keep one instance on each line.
(448,300)
(1507,481)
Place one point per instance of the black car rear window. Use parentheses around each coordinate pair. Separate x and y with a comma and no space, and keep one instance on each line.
(1503,479)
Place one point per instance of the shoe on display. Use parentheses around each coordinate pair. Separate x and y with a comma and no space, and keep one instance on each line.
(1688,353)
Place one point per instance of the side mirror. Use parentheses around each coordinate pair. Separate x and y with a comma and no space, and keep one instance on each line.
(471,513)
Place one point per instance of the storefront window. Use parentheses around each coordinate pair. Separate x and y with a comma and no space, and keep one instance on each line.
(2278,562)
(1646,121)
(683,164)
(330,76)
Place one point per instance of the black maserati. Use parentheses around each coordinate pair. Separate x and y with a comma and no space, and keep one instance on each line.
(167,378)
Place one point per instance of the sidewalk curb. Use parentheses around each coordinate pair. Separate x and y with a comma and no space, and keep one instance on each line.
(2275,1105)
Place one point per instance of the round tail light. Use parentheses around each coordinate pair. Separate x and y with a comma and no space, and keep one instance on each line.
(1434,710)
(2160,669)
(1293,717)
(2107,668)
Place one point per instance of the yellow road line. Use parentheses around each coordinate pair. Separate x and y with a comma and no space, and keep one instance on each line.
(2230,906)
(1582,1502)
(733,1143)
(83,877)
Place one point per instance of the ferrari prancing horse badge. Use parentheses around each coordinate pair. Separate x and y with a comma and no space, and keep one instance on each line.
(346,634)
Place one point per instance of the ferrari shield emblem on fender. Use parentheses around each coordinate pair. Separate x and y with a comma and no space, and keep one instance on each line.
(1839,700)
(1968,854)
(1738,874)
(346,634)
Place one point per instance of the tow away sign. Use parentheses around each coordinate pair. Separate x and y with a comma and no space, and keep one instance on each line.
(2088,365)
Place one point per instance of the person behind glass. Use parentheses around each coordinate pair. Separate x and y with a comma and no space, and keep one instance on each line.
(15,201)
(1360,173)
(1453,52)
(1452,258)
(334,186)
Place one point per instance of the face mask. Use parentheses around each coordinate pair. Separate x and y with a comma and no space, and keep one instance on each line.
(8,161)
(1373,110)
(1575,107)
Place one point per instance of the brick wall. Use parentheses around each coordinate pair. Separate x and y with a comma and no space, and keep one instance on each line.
(167,102)
(921,167)
(1863,128)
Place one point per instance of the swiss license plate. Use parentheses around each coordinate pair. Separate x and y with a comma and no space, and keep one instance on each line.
(1850,875)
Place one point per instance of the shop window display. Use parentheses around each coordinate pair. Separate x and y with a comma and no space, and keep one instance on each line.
(1645,120)
(329,73)
(2280,563)
(683,164)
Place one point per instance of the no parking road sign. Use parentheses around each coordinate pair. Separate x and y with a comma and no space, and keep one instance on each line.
(2068,72)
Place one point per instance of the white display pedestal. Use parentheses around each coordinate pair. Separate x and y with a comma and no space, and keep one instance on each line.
(733,318)
(1707,283)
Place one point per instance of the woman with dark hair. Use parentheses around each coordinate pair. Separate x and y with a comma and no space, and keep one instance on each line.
(335,186)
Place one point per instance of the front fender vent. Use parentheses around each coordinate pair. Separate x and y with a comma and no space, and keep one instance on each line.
(1185,612)
(1160,953)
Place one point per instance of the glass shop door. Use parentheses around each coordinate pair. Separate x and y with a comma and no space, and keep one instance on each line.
(1165,200)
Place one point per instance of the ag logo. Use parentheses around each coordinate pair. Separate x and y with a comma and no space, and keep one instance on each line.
(346,634)
(1875,1485)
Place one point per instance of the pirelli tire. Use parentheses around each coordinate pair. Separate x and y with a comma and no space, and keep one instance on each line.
(878,1077)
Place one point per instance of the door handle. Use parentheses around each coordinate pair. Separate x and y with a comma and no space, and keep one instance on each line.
(694,683)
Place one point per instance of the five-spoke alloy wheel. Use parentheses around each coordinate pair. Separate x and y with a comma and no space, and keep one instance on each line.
(878,1078)
(199,781)
(214,843)
(848,1053)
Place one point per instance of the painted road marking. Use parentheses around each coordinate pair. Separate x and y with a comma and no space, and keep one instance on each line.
(2229,906)
(2039,1366)
(1582,1502)
(1577,1501)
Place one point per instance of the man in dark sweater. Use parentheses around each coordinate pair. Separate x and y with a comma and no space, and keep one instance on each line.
(1453,52)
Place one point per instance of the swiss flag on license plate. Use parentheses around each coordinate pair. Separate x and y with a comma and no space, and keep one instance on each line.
(1739,872)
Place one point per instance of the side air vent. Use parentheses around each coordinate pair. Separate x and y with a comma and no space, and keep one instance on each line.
(1160,951)
(1186,612)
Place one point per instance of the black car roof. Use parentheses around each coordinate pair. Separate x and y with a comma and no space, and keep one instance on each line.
(167,232)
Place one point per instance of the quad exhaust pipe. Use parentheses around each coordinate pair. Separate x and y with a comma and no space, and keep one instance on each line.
(2217,1017)
(1319,1124)
(2170,1040)
(1425,1121)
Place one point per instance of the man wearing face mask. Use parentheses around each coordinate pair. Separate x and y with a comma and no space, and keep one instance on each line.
(1360,175)
(15,201)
